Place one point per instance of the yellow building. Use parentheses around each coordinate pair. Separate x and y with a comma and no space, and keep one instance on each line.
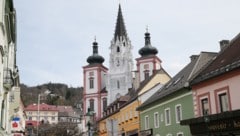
(121,117)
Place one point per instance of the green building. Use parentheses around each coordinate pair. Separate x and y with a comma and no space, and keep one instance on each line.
(161,114)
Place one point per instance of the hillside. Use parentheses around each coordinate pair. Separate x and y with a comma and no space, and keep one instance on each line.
(51,93)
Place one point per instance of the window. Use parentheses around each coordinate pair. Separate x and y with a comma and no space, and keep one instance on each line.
(167,117)
(118,84)
(156,120)
(130,114)
(146,122)
(104,103)
(53,118)
(118,49)
(91,104)
(222,99)
(180,134)
(205,106)
(146,74)
(223,102)
(29,118)
(91,82)
(126,116)
(178,112)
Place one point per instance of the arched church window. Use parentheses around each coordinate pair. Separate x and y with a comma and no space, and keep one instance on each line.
(124,44)
(118,49)
(118,84)
(91,103)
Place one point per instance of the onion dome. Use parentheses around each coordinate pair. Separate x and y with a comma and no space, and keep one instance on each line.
(148,49)
(95,58)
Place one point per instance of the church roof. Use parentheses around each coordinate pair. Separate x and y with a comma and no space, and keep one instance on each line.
(120,29)
(95,58)
(148,49)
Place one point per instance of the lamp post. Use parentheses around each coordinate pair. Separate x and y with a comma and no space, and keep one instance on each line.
(89,115)
(38,113)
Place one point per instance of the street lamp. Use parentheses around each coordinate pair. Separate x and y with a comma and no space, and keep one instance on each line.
(89,118)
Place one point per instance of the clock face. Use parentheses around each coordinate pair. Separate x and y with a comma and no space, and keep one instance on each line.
(117,62)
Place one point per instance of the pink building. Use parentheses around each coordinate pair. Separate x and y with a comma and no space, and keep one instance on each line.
(216,94)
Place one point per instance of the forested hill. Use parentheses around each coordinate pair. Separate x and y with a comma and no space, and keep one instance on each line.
(52,93)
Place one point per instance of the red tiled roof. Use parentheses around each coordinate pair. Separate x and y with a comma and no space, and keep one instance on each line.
(31,123)
(65,109)
(42,107)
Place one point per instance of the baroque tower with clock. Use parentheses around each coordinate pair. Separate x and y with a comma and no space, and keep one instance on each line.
(119,78)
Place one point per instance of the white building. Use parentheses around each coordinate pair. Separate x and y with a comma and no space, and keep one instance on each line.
(46,114)
(9,78)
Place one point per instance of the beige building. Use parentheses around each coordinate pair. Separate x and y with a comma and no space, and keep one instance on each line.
(46,113)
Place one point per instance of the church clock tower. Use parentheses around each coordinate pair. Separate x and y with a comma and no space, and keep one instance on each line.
(121,63)
(94,93)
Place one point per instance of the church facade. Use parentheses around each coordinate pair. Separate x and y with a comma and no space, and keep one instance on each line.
(107,89)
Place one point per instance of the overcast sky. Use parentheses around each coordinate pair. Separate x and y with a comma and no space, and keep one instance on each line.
(55,36)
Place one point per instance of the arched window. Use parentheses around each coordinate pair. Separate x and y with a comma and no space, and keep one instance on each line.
(91,103)
(146,74)
(118,49)
(91,82)
(118,84)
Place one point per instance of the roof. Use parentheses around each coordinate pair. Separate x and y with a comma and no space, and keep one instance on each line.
(181,79)
(227,60)
(120,29)
(148,49)
(95,58)
(42,107)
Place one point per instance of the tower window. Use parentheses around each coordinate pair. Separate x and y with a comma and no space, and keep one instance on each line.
(124,44)
(91,82)
(146,74)
(104,104)
(118,84)
(91,103)
(118,49)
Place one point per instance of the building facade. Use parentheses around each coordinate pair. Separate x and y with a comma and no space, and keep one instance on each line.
(41,114)
(121,114)
(9,76)
(162,112)
(119,77)
(216,94)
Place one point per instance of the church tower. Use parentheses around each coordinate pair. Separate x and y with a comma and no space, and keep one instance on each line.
(94,74)
(148,63)
(120,63)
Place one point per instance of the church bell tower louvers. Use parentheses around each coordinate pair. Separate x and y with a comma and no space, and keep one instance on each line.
(120,63)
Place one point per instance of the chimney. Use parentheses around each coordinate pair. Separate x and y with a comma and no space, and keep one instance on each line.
(224,44)
(193,57)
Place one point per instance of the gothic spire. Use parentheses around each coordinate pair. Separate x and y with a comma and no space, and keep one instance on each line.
(120,29)
(95,58)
